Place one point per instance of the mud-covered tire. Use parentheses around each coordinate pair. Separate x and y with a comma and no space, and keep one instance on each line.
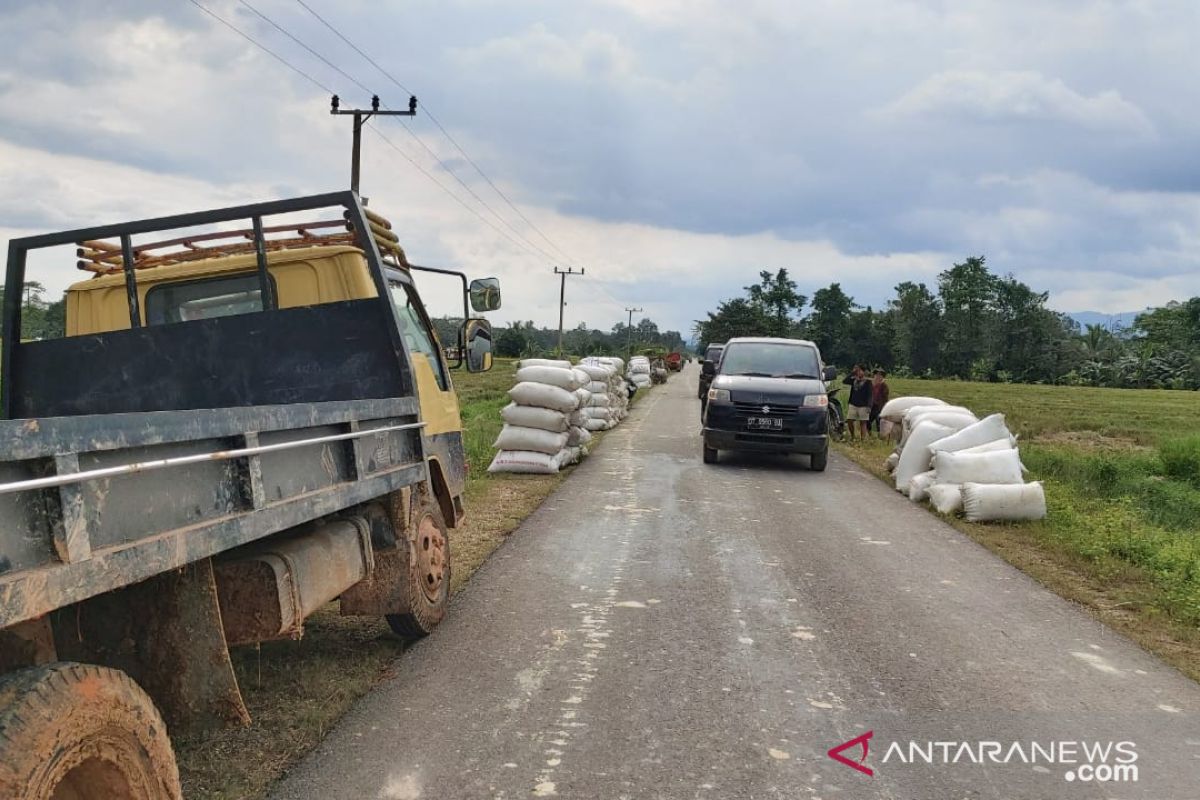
(817,461)
(710,454)
(427,573)
(81,732)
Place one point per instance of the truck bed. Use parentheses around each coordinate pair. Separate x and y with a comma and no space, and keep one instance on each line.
(92,503)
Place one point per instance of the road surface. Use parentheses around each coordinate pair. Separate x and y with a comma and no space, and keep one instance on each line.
(665,629)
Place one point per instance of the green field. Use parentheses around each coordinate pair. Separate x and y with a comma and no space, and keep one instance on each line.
(1121,469)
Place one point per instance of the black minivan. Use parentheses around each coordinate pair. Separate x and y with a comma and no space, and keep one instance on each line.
(769,395)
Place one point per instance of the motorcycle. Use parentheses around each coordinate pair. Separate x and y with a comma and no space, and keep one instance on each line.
(837,420)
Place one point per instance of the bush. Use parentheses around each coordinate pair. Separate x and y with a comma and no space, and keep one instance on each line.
(1181,459)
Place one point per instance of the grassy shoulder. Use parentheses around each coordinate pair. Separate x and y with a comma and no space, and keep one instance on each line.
(296,691)
(1121,470)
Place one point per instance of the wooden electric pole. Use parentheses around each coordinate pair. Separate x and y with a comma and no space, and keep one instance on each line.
(629,330)
(562,300)
(361,115)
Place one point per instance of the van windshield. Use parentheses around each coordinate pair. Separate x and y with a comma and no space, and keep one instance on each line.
(767,360)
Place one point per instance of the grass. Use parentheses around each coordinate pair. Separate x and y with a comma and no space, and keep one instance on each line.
(295,691)
(1121,470)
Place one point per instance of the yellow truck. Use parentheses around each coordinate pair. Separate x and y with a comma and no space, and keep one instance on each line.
(250,416)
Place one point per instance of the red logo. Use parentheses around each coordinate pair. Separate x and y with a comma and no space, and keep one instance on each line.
(862,741)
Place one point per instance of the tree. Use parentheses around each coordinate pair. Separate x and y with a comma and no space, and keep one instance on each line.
(737,317)
(511,343)
(916,324)
(776,297)
(967,291)
(829,324)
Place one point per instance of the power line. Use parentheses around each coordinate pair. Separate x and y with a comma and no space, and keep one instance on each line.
(327,90)
(407,129)
(440,127)
(262,47)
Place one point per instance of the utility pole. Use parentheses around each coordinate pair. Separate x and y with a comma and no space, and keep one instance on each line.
(629,330)
(361,115)
(562,300)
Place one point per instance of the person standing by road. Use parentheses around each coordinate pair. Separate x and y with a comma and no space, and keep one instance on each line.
(859,410)
(879,397)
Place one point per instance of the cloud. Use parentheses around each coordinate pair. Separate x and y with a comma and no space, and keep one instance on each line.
(1017,96)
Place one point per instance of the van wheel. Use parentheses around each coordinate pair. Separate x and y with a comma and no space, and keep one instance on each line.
(817,461)
(710,455)
(427,574)
(82,732)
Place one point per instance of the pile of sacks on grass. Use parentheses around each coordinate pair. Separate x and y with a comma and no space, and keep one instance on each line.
(554,410)
(960,463)
(639,372)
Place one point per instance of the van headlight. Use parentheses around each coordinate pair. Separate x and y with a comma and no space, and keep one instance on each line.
(720,395)
(816,401)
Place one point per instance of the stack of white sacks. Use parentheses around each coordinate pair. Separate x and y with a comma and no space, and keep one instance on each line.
(639,372)
(609,403)
(545,425)
(960,463)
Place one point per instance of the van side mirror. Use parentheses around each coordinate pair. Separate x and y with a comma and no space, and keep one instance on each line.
(829,373)
(485,294)
(708,369)
(475,338)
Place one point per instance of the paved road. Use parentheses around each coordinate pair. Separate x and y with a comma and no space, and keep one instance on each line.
(662,629)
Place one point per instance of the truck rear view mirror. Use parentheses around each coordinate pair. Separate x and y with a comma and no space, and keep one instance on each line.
(485,294)
(477,344)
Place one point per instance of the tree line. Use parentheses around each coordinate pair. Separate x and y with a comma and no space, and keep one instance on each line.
(974,325)
(527,340)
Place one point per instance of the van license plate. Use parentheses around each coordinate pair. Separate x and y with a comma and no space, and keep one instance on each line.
(765,423)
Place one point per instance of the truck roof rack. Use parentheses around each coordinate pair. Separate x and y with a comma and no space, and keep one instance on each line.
(102,257)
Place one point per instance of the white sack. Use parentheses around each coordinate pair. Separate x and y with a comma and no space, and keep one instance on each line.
(597,387)
(1007,443)
(954,420)
(532,417)
(946,497)
(521,461)
(918,487)
(998,466)
(598,401)
(1008,503)
(534,440)
(582,377)
(543,362)
(577,436)
(551,376)
(576,418)
(892,461)
(596,372)
(914,459)
(598,412)
(914,414)
(986,430)
(543,396)
(897,407)
(597,424)
(584,397)
(886,428)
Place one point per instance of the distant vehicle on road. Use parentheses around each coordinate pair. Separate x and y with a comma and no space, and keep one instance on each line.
(708,368)
(769,395)
(674,361)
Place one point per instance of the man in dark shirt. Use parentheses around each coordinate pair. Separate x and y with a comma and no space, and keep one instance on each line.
(859,410)
(879,397)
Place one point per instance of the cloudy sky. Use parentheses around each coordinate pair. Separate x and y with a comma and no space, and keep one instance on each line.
(673,148)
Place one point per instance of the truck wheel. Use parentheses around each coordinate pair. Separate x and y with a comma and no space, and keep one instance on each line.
(428,574)
(81,732)
(710,455)
(817,461)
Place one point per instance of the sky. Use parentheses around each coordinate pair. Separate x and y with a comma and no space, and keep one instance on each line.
(671,149)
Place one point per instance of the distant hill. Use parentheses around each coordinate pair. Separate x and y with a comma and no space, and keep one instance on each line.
(1120,320)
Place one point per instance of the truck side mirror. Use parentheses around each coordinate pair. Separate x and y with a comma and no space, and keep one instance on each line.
(476,339)
(485,294)
(829,373)
(708,369)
